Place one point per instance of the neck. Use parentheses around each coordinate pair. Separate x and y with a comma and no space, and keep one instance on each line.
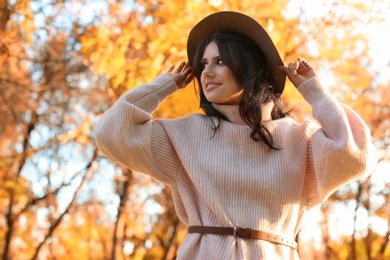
(232,112)
(266,110)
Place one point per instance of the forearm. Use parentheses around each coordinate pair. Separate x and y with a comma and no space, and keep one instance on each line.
(148,97)
(125,133)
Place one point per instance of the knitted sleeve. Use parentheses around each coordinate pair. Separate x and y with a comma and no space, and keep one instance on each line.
(126,133)
(339,150)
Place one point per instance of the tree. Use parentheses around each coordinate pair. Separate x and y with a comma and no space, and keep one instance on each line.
(39,80)
(64,63)
(338,57)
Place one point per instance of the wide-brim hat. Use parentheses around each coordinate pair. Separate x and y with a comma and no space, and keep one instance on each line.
(241,23)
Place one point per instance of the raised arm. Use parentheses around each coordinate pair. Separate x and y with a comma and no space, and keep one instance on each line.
(126,133)
(340,149)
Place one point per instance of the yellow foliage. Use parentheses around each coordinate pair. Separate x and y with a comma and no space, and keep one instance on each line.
(80,134)
(132,46)
(141,52)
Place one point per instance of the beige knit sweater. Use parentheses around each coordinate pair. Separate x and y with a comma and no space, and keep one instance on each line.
(229,179)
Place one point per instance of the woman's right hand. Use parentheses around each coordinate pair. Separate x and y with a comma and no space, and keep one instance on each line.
(182,75)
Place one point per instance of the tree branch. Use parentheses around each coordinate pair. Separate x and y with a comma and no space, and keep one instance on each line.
(56,222)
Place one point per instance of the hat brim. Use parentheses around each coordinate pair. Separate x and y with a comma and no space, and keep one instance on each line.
(238,22)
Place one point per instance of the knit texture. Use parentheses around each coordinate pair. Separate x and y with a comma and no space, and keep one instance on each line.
(227,179)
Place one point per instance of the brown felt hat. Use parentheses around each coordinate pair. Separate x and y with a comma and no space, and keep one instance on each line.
(241,23)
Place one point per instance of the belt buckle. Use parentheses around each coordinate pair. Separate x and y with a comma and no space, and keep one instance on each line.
(235,229)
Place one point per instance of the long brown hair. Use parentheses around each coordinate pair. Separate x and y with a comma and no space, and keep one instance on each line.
(246,60)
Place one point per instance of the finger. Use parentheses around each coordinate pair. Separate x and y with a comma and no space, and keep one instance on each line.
(303,62)
(188,79)
(304,66)
(171,69)
(188,76)
(187,65)
(187,71)
(303,70)
(293,67)
(180,67)
(286,70)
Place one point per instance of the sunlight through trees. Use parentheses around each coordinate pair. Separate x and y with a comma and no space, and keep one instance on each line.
(65,62)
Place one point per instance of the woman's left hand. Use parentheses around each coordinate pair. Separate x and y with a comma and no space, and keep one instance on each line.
(298,71)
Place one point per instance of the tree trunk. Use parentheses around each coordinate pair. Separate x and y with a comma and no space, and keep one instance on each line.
(385,242)
(57,222)
(170,253)
(325,230)
(353,241)
(117,241)
(4,17)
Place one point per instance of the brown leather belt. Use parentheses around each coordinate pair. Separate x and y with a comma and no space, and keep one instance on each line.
(244,233)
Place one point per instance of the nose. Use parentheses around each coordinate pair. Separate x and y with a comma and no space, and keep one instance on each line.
(208,71)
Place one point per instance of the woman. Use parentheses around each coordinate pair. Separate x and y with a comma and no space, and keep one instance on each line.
(243,175)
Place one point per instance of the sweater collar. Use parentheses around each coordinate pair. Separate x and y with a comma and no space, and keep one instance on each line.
(232,112)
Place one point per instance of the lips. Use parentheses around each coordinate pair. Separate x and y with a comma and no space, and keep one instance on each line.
(211,85)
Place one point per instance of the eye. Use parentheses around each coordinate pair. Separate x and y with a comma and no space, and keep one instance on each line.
(204,64)
(219,62)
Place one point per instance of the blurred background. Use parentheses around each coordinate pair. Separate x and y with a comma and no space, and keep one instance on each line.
(63,63)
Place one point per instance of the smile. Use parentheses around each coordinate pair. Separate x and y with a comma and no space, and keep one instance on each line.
(211,85)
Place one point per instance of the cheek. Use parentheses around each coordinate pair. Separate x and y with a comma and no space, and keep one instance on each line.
(200,87)
(228,74)
(235,84)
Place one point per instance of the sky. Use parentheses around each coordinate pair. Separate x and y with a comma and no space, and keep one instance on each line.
(379,34)
(379,42)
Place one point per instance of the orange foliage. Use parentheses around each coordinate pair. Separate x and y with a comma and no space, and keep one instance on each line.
(50,103)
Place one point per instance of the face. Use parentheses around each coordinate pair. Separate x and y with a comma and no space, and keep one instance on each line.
(219,84)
